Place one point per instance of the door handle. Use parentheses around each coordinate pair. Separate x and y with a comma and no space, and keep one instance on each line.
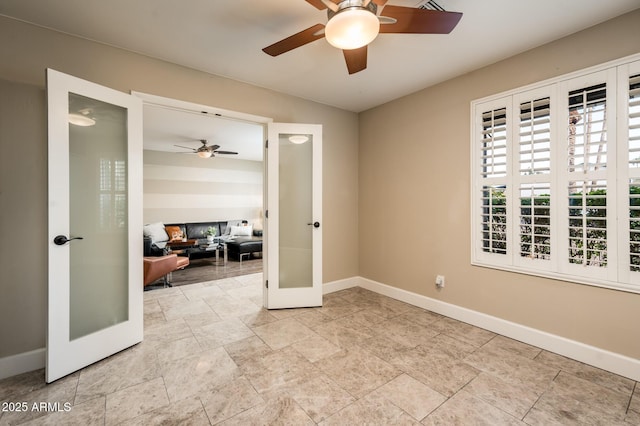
(61,240)
(315,224)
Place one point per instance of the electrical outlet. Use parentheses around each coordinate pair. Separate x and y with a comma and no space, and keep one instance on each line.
(440,281)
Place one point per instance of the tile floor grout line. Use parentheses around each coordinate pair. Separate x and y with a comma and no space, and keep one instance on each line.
(541,395)
(633,391)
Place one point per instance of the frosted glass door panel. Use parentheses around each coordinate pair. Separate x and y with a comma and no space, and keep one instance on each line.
(296,216)
(98,213)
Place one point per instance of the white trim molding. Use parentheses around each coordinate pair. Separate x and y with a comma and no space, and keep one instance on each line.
(594,356)
(22,363)
(344,284)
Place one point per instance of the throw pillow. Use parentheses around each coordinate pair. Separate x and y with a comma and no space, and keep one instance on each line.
(231,224)
(174,232)
(241,231)
(156,232)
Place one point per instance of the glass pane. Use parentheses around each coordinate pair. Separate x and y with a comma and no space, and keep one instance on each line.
(295,204)
(98,213)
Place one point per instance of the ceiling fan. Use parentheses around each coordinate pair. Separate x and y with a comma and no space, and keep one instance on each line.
(207,151)
(353,24)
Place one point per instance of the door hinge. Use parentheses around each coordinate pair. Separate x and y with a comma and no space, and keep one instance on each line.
(266,214)
(266,143)
(267,283)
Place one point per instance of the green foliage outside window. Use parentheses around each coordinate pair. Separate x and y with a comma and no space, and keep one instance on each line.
(535,227)
(588,227)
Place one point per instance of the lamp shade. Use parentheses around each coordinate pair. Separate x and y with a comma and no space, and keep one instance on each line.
(352,28)
(204,154)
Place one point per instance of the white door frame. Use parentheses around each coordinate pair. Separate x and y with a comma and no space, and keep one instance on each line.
(232,115)
(267,244)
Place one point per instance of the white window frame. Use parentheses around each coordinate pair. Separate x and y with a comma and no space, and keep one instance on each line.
(617,273)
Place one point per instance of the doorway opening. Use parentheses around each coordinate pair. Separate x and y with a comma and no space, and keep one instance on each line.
(204,170)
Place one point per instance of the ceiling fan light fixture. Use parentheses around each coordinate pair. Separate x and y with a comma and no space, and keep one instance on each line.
(298,139)
(352,28)
(81,120)
(204,154)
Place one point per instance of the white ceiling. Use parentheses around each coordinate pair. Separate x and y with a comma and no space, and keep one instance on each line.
(166,127)
(225,37)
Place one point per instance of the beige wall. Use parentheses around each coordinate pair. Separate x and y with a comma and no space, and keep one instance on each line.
(23,218)
(186,188)
(415,201)
(26,51)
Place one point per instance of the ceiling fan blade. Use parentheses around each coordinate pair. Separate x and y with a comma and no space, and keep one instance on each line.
(356,59)
(225,152)
(317,4)
(322,4)
(419,21)
(380,2)
(299,39)
(213,147)
(186,147)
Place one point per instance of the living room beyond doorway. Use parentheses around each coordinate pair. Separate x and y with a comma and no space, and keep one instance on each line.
(185,184)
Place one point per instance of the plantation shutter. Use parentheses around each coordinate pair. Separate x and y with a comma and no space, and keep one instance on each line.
(589,239)
(533,179)
(535,137)
(492,173)
(630,129)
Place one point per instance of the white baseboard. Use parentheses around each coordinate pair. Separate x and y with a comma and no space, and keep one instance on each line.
(606,360)
(597,357)
(340,285)
(22,363)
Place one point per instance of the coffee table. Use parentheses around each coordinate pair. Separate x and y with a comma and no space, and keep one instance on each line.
(217,248)
(180,247)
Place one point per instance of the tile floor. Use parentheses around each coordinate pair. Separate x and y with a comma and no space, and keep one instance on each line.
(211,355)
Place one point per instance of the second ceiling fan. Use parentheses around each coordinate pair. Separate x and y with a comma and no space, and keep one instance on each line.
(207,151)
(353,24)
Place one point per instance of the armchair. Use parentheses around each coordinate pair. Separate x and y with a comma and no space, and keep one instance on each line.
(160,266)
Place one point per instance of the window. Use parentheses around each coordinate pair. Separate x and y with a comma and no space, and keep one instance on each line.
(556,178)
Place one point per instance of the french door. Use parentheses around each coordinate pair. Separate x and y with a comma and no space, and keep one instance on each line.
(294,222)
(95,306)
